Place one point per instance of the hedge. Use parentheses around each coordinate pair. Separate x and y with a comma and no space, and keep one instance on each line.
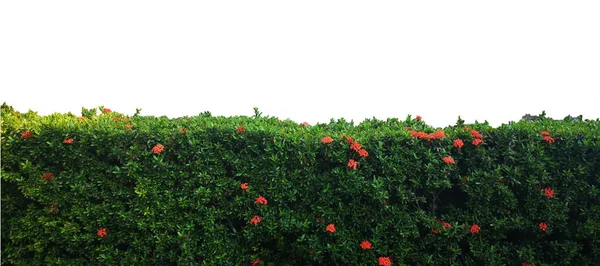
(109,189)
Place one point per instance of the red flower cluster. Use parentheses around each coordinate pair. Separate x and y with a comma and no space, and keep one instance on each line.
(384,261)
(549,192)
(355,146)
(255,262)
(128,127)
(106,110)
(526,264)
(327,140)
(445,225)
(349,140)
(449,160)
(422,135)
(475,229)
(365,244)
(261,200)
(305,124)
(363,153)
(548,139)
(158,148)
(458,143)
(543,226)
(476,142)
(182,131)
(545,133)
(255,220)
(418,118)
(102,232)
(68,141)
(240,129)
(47,176)
(352,164)
(81,118)
(476,134)
(26,135)
(244,186)
(330,228)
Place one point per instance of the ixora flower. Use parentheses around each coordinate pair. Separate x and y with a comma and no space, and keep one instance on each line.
(128,127)
(244,186)
(352,164)
(545,133)
(255,262)
(458,143)
(449,160)
(526,264)
(102,232)
(26,134)
(355,146)
(106,110)
(158,148)
(261,200)
(418,118)
(549,192)
(475,229)
(255,220)
(349,140)
(327,140)
(240,129)
(365,244)
(47,176)
(543,226)
(363,153)
(182,131)
(476,134)
(476,142)
(384,261)
(330,228)
(305,124)
(68,141)
(436,135)
(549,139)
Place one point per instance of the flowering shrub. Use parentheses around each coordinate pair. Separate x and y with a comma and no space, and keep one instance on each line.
(419,197)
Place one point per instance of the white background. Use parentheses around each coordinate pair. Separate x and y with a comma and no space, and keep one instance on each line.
(304,60)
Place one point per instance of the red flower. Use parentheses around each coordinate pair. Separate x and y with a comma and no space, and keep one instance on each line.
(543,226)
(255,220)
(365,244)
(446,225)
(261,200)
(327,140)
(549,192)
(81,118)
(475,229)
(449,160)
(476,134)
(526,264)
(182,131)
(47,176)
(476,142)
(305,124)
(26,135)
(355,146)
(363,153)
(419,134)
(68,141)
(128,127)
(384,261)
(545,133)
(330,228)
(106,110)
(436,135)
(244,186)
(255,262)
(548,139)
(352,164)
(240,129)
(349,140)
(437,232)
(418,118)
(102,232)
(158,148)
(458,143)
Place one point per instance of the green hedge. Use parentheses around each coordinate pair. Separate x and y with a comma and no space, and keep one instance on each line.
(108,189)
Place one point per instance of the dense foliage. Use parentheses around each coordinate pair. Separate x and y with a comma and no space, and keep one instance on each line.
(108,189)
